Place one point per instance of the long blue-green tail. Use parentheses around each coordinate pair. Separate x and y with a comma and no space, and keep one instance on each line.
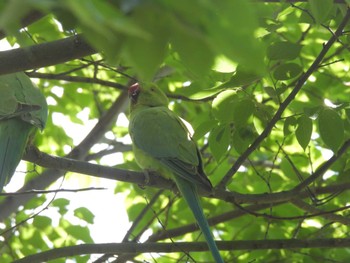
(189,192)
(14,134)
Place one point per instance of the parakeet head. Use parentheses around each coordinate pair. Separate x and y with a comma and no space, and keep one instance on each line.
(149,96)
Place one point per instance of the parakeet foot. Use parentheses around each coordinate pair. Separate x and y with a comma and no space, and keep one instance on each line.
(147,179)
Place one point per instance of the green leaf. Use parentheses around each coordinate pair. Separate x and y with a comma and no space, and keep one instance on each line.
(312,112)
(321,9)
(234,33)
(223,106)
(134,210)
(283,51)
(331,128)
(242,111)
(304,131)
(204,128)
(62,204)
(240,78)
(242,138)
(272,92)
(42,222)
(146,54)
(287,71)
(219,141)
(80,233)
(194,51)
(84,214)
(103,18)
(289,125)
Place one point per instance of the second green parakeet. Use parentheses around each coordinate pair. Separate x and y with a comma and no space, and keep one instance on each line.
(162,143)
(23,108)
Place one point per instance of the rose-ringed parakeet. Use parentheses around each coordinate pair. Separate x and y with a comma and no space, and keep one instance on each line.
(23,108)
(162,143)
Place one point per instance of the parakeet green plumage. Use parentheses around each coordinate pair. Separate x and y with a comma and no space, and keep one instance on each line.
(162,143)
(23,108)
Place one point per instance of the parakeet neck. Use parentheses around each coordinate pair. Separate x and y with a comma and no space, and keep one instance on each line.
(139,107)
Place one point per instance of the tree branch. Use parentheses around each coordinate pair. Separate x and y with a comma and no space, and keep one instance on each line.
(117,248)
(66,164)
(76,79)
(33,155)
(43,55)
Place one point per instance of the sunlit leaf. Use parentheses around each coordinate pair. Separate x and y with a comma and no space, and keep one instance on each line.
(223,106)
(84,214)
(42,222)
(289,125)
(80,233)
(242,111)
(331,128)
(320,9)
(219,140)
(304,131)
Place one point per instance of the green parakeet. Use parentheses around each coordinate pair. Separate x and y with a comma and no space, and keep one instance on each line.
(162,143)
(23,108)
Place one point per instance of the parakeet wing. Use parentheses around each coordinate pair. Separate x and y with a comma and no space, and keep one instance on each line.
(20,98)
(22,108)
(160,133)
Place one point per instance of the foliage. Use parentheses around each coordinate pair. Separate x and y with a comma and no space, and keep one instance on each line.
(265,86)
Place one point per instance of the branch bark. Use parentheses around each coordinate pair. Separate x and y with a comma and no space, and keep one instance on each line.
(117,248)
(43,55)
(74,164)
(76,79)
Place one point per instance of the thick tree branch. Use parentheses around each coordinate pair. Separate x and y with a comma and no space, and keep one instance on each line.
(43,55)
(76,79)
(66,164)
(157,181)
(117,248)
(300,83)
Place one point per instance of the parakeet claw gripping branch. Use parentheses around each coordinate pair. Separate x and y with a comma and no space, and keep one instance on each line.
(162,143)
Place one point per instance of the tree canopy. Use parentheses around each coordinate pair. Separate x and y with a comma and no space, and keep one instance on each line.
(265,85)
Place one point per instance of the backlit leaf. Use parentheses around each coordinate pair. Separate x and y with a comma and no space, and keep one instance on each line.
(304,131)
(287,71)
(219,140)
(331,128)
(283,51)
